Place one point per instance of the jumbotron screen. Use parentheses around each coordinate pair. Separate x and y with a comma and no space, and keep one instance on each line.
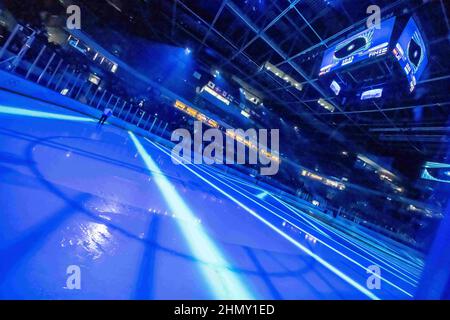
(370,43)
(411,53)
(439,172)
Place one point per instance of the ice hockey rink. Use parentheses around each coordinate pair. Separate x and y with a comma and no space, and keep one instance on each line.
(115,206)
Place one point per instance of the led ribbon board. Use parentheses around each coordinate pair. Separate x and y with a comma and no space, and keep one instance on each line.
(411,53)
(325,181)
(370,43)
(196,114)
(231,133)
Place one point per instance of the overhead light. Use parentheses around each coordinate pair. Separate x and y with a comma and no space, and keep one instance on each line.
(187,51)
(326,105)
(385,177)
(197,75)
(245,114)
(250,97)
(335,87)
(280,74)
(94,79)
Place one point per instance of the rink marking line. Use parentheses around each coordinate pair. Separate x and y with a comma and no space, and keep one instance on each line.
(268,193)
(320,260)
(413,265)
(298,213)
(376,255)
(41,114)
(223,282)
(383,260)
(388,264)
(319,240)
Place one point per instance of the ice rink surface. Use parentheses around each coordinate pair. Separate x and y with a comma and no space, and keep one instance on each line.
(138,226)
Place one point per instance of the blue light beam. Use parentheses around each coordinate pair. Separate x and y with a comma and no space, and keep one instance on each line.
(304,231)
(320,260)
(222,281)
(41,114)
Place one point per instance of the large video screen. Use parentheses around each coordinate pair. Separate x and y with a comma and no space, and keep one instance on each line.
(411,53)
(439,172)
(370,43)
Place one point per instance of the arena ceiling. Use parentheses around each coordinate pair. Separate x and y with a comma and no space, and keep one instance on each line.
(238,37)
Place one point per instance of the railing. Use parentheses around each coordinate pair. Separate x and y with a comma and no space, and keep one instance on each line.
(26,55)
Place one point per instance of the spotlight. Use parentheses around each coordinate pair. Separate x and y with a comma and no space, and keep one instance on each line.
(187,51)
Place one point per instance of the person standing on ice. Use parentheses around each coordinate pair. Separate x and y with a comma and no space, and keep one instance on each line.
(106,114)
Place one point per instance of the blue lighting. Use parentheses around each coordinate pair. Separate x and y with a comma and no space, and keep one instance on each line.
(323,262)
(41,114)
(222,281)
(262,195)
(154,230)
(320,241)
(187,51)
(255,5)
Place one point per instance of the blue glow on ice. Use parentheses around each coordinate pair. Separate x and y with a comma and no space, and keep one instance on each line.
(41,114)
(324,243)
(262,195)
(222,281)
(320,260)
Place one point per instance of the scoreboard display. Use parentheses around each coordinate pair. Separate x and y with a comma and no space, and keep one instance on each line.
(367,44)
(411,53)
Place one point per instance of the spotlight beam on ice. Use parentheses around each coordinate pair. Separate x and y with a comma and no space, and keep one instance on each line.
(319,240)
(297,212)
(377,255)
(41,114)
(320,260)
(223,282)
(386,261)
